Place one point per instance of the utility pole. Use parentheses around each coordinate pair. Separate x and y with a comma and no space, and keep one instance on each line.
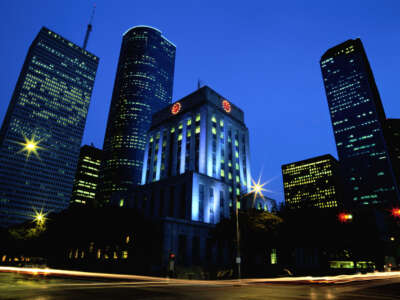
(238,258)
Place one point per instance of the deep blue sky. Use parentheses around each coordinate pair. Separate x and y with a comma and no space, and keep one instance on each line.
(261,55)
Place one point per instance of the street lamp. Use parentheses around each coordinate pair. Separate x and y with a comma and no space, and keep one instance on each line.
(30,146)
(256,189)
(40,217)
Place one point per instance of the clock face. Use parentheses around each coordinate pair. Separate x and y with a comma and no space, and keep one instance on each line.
(176,108)
(226,106)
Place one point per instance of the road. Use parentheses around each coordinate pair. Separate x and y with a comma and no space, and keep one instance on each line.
(15,286)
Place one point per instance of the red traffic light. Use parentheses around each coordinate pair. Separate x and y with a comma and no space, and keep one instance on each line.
(172,256)
(396,212)
(344,217)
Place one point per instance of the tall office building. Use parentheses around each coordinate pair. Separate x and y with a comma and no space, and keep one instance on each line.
(196,162)
(313,182)
(143,85)
(87,176)
(42,131)
(358,120)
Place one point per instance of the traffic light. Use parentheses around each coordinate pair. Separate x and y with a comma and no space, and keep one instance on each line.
(396,212)
(345,217)
(172,256)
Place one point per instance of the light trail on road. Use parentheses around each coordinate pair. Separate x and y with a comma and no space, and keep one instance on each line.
(156,280)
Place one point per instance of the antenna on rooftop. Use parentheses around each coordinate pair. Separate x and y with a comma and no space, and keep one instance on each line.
(198,84)
(89,28)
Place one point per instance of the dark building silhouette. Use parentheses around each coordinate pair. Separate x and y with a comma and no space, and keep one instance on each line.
(358,121)
(143,85)
(87,176)
(392,136)
(313,182)
(42,131)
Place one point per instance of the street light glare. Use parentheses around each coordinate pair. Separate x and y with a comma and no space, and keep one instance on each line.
(39,217)
(257,188)
(30,146)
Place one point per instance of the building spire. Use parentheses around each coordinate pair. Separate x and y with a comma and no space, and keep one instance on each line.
(89,28)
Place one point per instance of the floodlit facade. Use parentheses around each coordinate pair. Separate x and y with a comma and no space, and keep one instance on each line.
(87,176)
(42,131)
(143,86)
(202,133)
(312,183)
(358,120)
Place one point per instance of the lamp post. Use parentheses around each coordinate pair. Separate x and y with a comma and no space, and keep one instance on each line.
(256,189)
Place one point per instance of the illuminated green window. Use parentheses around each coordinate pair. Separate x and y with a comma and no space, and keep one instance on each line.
(274,259)
(121,202)
(237,191)
(237,179)
(230,163)
(172,129)
(180,126)
(189,122)
(151,139)
(213,119)
(197,117)
(222,173)
(221,135)
(237,166)
(179,137)
(236,143)
(189,133)
(198,129)
(236,154)
(221,123)
(230,189)
(238,205)
(214,131)
(229,175)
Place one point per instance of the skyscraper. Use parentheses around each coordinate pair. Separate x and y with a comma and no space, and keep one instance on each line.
(42,131)
(143,85)
(312,182)
(87,176)
(358,120)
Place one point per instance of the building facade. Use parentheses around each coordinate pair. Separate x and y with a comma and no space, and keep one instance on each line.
(143,85)
(392,137)
(195,165)
(87,176)
(42,131)
(358,117)
(313,182)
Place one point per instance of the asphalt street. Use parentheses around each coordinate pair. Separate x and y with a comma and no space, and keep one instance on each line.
(22,286)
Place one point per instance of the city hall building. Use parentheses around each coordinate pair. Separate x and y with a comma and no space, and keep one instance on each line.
(196,164)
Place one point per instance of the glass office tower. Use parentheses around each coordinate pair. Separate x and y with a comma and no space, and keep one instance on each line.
(143,86)
(358,120)
(42,131)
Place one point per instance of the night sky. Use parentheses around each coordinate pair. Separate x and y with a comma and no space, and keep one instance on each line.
(261,55)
